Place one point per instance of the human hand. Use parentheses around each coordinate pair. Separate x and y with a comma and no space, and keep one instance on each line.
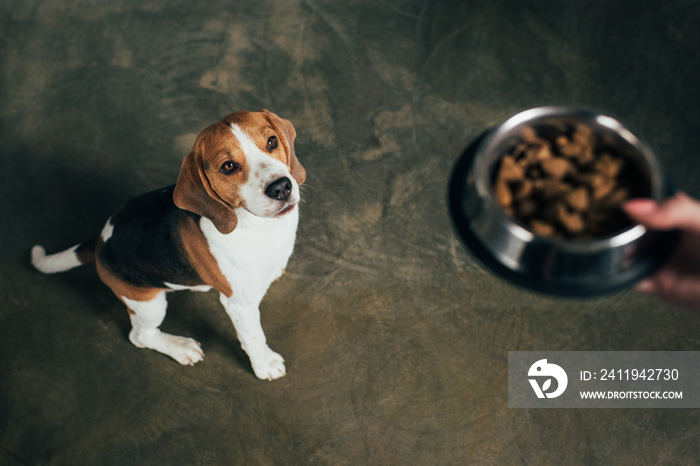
(678,280)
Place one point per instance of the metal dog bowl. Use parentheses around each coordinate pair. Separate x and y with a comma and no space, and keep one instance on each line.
(557,266)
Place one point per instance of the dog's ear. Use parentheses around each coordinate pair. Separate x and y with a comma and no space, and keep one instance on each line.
(287,130)
(194,193)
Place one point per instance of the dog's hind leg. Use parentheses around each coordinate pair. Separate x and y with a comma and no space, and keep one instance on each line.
(146,317)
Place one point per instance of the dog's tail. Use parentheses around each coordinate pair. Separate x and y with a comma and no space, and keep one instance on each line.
(64,260)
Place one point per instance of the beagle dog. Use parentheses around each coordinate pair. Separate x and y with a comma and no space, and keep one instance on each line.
(229,223)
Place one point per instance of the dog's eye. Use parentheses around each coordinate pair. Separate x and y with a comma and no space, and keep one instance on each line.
(272,143)
(229,168)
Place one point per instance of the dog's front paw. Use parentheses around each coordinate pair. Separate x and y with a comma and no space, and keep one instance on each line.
(268,365)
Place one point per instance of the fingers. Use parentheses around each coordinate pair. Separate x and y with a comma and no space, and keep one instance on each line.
(675,286)
(679,280)
(680,211)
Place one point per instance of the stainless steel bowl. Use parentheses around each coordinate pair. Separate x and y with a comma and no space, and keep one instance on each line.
(565,267)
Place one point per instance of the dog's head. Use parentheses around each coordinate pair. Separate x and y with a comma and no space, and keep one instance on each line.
(247,160)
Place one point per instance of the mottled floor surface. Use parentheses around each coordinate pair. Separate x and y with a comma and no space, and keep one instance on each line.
(396,339)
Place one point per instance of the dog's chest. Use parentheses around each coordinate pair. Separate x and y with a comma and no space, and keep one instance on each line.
(255,252)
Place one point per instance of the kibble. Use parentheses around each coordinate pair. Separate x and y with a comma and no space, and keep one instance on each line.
(566,184)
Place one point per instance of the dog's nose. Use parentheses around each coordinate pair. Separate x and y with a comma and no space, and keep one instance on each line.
(279,189)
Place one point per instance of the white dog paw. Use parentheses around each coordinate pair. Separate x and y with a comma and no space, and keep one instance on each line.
(184,350)
(279,275)
(268,365)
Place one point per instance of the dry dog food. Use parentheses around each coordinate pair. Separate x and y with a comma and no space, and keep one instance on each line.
(562,180)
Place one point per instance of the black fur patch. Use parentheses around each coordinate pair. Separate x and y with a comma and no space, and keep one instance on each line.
(145,248)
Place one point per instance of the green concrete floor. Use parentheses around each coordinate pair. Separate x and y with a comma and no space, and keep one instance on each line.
(396,340)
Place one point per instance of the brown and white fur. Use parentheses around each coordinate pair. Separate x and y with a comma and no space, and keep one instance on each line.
(229,223)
